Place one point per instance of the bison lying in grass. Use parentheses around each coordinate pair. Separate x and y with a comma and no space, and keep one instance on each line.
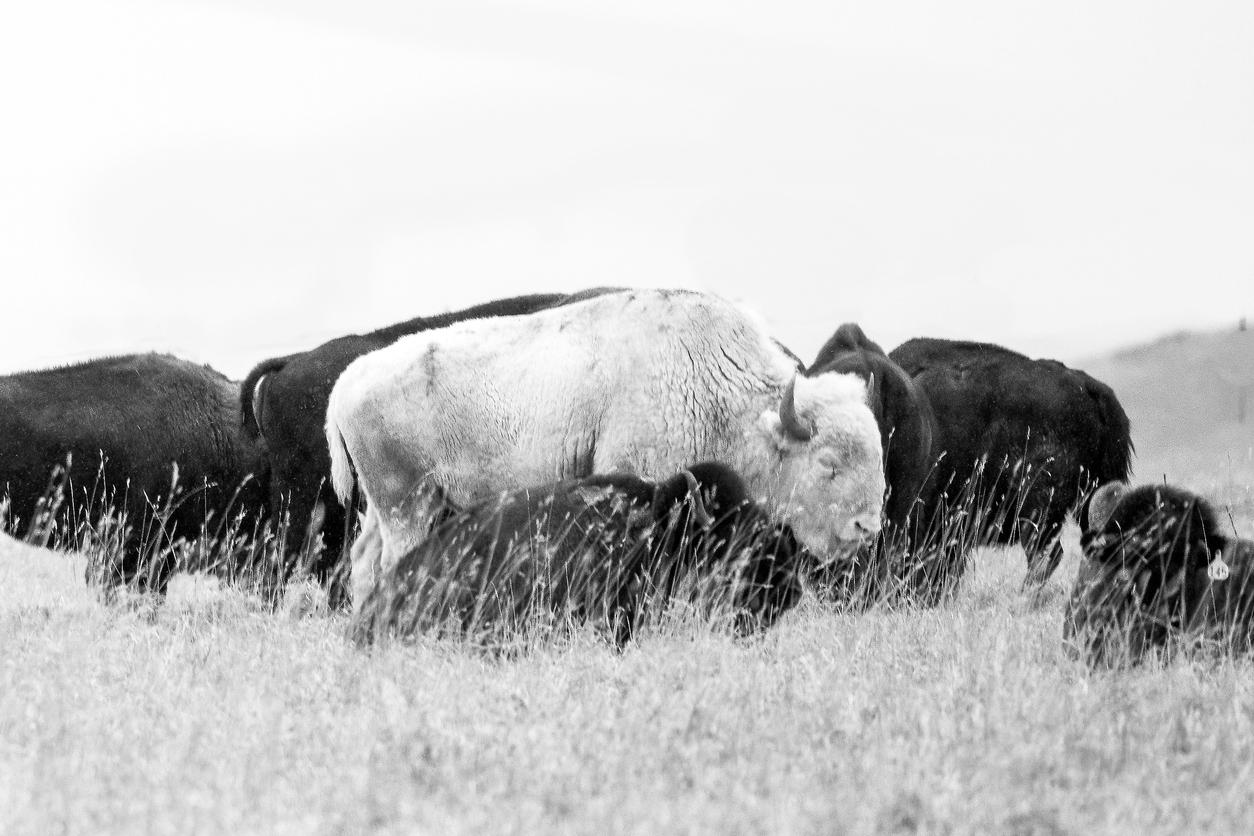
(1158,568)
(601,549)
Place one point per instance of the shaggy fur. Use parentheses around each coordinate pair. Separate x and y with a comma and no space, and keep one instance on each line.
(640,382)
(129,425)
(283,401)
(1146,578)
(1016,443)
(598,549)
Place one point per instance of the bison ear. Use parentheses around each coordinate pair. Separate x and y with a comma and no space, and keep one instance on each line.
(1097,510)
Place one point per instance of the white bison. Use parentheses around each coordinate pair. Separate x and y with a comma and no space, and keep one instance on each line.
(643,382)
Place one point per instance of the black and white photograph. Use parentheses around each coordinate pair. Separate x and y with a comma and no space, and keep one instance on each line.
(563,416)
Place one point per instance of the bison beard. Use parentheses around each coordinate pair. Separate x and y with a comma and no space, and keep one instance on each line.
(607,550)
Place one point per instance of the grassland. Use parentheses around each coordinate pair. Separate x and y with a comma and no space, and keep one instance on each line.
(214,714)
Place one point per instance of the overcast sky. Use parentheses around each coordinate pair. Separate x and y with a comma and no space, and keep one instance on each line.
(232,180)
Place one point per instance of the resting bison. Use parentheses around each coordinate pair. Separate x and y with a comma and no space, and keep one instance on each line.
(129,425)
(602,549)
(983,445)
(283,401)
(639,382)
(1157,567)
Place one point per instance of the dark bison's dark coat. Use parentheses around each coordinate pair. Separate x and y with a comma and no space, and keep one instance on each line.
(125,422)
(965,425)
(1022,439)
(595,549)
(284,402)
(1147,578)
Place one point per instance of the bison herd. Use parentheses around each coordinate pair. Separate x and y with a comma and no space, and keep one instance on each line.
(596,457)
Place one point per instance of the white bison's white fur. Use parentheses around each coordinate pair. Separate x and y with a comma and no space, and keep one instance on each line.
(640,381)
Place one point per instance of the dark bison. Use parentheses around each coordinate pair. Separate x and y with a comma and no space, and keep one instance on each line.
(1157,567)
(132,427)
(283,401)
(901,409)
(603,549)
(983,445)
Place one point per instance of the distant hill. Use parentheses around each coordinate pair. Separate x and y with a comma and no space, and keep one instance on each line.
(1190,397)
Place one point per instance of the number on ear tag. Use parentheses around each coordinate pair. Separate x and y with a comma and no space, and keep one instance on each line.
(1217,570)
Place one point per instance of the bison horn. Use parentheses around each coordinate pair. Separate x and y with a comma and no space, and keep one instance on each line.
(1102,505)
(257,401)
(698,506)
(788,415)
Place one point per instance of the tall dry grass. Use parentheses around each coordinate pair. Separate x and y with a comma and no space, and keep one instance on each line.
(216,714)
(135,541)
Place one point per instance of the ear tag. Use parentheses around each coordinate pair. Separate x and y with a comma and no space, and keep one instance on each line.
(1217,570)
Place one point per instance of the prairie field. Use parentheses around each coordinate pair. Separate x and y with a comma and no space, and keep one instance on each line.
(214,713)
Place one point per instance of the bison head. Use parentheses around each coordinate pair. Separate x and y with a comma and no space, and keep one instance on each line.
(825,459)
(1144,575)
(730,538)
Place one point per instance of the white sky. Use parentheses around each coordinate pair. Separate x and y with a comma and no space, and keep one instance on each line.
(233,180)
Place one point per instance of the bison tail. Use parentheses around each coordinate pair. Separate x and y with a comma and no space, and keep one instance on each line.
(1114,462)
(343,479)
(248,393)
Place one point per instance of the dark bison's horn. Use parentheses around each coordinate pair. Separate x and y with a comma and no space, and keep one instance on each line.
(1103,503)
(788,415)
(257,401)
(698,506)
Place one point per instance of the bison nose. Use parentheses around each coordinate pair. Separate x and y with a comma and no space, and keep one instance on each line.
(862,527)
